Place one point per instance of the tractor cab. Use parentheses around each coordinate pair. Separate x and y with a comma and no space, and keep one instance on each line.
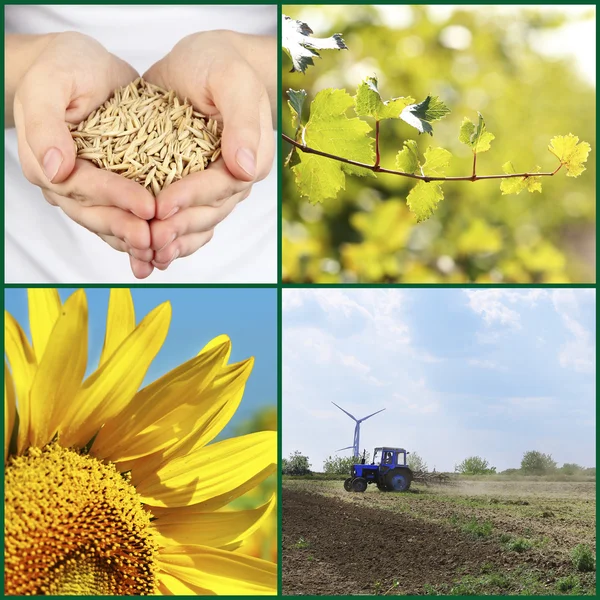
(388,471)
(390,457)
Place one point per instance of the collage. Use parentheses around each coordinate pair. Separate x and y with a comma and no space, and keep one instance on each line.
(299,299)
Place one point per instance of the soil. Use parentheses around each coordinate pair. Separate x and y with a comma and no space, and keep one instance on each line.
(331,547)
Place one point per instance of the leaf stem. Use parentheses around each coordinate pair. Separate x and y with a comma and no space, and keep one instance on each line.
(376,168)
(474,178)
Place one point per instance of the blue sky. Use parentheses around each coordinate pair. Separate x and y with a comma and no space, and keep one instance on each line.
(488,372)
(247,316)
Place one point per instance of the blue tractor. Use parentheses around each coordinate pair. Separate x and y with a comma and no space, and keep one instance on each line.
(388,471)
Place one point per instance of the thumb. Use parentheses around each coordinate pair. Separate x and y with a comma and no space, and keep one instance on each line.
(238,103)
(44,101)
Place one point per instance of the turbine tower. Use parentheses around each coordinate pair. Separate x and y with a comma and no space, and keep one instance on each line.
(356,445)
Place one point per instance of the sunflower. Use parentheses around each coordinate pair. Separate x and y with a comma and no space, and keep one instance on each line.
(110,489)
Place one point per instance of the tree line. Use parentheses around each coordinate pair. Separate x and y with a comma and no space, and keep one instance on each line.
(532,463)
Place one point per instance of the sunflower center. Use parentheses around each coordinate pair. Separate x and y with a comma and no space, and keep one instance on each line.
(74,525)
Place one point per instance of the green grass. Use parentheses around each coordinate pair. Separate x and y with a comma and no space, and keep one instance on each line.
(477,529)
(301,544)
(519,544)
(569,585)
(521,581)
(583,558)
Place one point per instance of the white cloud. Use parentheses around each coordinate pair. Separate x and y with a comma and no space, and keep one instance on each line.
(410,406)
(291,299)
(486,364)
(492,304)
(353,363)
(578,352)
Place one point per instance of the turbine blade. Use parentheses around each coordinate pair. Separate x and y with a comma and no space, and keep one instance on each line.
(371,415)
(351,416)
(346,448)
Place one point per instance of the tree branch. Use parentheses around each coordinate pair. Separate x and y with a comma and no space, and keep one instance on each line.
(377,156)
(377,169)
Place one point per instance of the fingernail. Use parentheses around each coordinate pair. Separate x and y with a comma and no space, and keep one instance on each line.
(51,163)
(169,242)
(247,160)
(158,264)
(171,213)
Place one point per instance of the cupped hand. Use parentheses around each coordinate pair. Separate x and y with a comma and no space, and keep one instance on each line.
(70,78)
(210,70)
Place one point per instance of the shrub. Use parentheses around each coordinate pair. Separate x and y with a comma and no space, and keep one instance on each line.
(296,464)
(341,465)
(519,544)
(476,529)
(583,558)
(474,465)
(567,584)
(571,469)
(416,463)
(537,463)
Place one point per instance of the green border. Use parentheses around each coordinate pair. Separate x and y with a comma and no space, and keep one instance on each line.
(279,285)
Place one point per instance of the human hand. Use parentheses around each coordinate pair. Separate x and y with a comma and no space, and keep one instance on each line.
(210,69)
(71,77)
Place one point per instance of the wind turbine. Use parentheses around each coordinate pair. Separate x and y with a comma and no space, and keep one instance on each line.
(356,445)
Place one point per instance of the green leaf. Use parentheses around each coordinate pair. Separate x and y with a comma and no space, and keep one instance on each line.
(407,159)
(478,138)
(570,152)
(424,198)
(330,130)
(301,48)
(368,102)
(436,161)
(421,115)
(296,100)
(516,185)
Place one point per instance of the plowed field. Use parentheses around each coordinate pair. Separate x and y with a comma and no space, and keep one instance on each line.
(429,542)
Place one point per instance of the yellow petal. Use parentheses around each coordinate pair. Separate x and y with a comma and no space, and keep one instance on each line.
(163,412)
(23,367)
(60,372)
(9,408)
(120,321)
(109,389)
(222,572)
(225,397)
(44,308)
(198,426)
(210,471)
(216,529)
(218,341)
(171,586)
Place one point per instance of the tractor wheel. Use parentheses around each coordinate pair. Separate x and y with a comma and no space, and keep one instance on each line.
(348,484)
(398,480)
(382,487)
(359,484)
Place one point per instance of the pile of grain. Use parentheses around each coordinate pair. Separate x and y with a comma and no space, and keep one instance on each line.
(147,134)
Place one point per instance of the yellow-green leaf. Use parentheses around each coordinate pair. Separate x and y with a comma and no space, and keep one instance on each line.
(571,152)
(477,137)
(515,185)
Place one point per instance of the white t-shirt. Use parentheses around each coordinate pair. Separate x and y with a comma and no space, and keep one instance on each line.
(42,245)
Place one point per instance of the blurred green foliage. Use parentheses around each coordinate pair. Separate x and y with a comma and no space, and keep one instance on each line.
(263,542)
(475,60)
